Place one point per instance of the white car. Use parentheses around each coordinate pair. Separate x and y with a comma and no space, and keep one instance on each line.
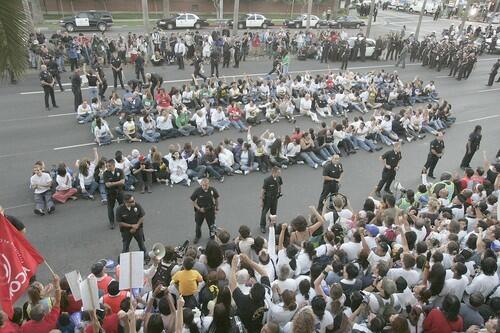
(182,20)
(430,8)
(252,20)
(370,45)
(301,22)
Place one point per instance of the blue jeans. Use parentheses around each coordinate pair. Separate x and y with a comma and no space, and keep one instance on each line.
(221,123)
(385,140)
(91,188)
(238,124)
(253,167)
(111,111)
(86,118)
(105,139)
(366,144)
(310,158)
(129,182)
(102,192)
(44,200)
(151,136)
(324,153)
(92,93)
(213,172)
(209,130)
(198,172)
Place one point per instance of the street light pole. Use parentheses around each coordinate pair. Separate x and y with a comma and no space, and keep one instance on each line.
(145,15)
(417,31)
(235,17)
(309,10)
(166,8)
(369,27)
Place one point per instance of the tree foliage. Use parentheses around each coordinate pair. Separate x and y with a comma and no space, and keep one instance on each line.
(14,33)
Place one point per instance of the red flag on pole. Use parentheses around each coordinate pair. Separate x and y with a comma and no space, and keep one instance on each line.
(19,261)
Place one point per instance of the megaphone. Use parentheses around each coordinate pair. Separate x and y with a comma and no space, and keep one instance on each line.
(157,252)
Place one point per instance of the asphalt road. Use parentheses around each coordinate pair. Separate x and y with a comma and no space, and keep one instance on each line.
(77,233)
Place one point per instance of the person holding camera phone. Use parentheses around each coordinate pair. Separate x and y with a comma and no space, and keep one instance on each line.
(269,195)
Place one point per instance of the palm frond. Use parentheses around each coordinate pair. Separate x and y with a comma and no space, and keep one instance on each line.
(14,33)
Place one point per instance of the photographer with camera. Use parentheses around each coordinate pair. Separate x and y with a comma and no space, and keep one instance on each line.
(269,195)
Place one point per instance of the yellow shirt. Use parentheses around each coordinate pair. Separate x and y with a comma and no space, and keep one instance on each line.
(188,281)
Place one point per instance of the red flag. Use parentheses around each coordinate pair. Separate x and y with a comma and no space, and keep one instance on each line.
(19,261)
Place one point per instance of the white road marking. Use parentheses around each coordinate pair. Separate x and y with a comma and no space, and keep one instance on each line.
(19,206)
(75,146)
(488,90)
(38,117)
(477,119)
(61,115)
(41,91)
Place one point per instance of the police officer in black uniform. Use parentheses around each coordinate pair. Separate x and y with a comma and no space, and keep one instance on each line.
(237,54)
(332,171)
(114,180)
(47,81)
(130,217)
(345,56)
(214,61)
(102,82)
(493,73)
(197,61)
(53,69)
(391,160)
(471,147)
(139,67)
(226,55)
(206,204)
(435,153)
(325,52)
(117,67)
(269,195)
(76,88)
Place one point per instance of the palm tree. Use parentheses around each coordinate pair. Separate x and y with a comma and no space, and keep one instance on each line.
(14,32)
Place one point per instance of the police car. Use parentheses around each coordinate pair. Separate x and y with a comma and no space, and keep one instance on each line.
(182,20)
(301,22)
(89,20)
(252,21)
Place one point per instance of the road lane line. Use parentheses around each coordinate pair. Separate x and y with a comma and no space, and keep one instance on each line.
(19,206)
(37,117)
(75,146)
(477,119)
(488,90)
(61,115)
(41,91)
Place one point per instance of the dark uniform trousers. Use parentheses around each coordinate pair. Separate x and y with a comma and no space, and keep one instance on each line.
(49,91)
(127,238)
(270,205)
(77,94)
(112,199)
(209,216)
(332,187)
(388,176)
(469,153)
(118,75)
(431,163)
(57,77)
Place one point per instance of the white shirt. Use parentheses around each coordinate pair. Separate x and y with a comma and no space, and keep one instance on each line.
(41,182)
(217,116)
(201,121)
(483,284)
(81,111)
(411,276)
(455,287)
(164,122)
(351,249)
(99,132)
(305,105)
(64,183)
(180,48)
(87,180)
(373,258)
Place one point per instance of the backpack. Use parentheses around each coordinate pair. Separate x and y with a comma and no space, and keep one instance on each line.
(385,310)
(163,274)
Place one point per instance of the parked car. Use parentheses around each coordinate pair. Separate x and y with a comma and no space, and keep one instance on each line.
(399,5)
(301,22)
(252,21)
(430,8)
(347,22)
(479,41)
(89,20)
(182,20)
(370,45)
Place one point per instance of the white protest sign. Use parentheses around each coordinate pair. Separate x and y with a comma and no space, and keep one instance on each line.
(89,293)
(74,279)
(131,270)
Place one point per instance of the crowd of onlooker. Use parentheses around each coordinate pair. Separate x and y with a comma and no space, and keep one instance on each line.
(425,260)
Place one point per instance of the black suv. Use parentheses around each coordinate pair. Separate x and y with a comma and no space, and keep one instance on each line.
(90,20)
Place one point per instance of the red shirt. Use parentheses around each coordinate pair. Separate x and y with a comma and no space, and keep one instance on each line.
(110,324)
(10,327)
(436,322)
(234,113)
(296,136)
(73,306)
(163,100)
(47,324)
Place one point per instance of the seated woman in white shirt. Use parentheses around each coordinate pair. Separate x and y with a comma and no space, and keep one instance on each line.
(102,133)
(88,185)
(114,106)
(218,119)
(178,170)
(64,189)
(157,59)
(306,108)
(84,113)
(148,129)
(200,118)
